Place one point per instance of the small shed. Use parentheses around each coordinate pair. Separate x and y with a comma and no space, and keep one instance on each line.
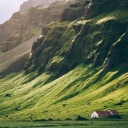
(108,113)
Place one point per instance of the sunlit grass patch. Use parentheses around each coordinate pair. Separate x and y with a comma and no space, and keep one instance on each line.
(79,92)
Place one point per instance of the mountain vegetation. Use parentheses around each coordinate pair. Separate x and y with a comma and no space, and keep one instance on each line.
(78,65)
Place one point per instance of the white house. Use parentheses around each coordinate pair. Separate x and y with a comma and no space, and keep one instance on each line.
(94,115)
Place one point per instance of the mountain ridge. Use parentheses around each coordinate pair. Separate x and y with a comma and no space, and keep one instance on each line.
(32,3)
(22,27)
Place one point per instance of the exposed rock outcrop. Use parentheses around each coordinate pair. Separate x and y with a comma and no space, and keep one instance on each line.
(73,12)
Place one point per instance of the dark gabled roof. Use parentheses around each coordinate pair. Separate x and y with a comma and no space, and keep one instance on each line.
(103,113)
(107,113)
(113,112)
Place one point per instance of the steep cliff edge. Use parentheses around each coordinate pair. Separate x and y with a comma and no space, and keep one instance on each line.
(95,39)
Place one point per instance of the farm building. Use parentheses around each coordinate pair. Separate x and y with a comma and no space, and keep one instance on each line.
(108,113)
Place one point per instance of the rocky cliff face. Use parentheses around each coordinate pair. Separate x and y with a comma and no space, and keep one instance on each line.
(34,3)
(98,37)
(73,12)
(22,27)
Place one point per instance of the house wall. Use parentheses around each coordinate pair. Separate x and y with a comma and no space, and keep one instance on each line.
(94,115)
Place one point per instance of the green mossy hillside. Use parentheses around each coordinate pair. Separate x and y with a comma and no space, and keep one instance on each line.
(73,69)
(79,92)
(64,45)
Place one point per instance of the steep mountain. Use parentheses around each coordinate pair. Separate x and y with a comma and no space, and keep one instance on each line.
(22,27)
(34,3)
(78,64)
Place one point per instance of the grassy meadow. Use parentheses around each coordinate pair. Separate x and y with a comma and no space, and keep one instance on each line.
(67,124)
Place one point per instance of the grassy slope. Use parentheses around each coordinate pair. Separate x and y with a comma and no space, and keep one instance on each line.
(79,92)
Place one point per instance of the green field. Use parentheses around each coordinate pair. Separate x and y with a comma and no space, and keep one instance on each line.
(67,124)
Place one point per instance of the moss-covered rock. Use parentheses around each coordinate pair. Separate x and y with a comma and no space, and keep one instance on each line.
(44,49)
(117,56)
(63,46)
